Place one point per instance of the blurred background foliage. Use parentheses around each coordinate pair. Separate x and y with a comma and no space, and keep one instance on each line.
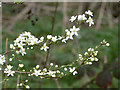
(37,19)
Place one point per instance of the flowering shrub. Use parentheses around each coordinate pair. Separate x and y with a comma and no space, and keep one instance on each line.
(27,41)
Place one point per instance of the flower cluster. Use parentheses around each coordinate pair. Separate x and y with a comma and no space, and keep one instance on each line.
(23,84)
(25,39)
(70,33)
(56,72)
(104,43)
(90,56)
(2,59)
(9,71)
(87,17)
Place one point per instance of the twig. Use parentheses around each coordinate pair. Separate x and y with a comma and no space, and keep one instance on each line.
(65,16)
(20,72)
(53,23)
(5,84)
(58,85)
(18,81)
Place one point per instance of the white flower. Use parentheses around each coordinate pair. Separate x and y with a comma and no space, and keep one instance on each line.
(35,41)
(89,63)
(69,35)
(90,21)
(75,72)
(29,74)
(54,39)
(26,80)
(90,49)
(27,86)
(60,37)
(17,85)
(13,55)
(21,65)
(56,66)
(81,17)
(89,13)
(51,73)
(44,47)
(92,59)
(66,30)
(80,57)
(2,59)
(41,39)
(9,71)
(72,69)
(12,46)
(86,53)
(45,70)
(37,66)
(96,59)
(16,41)
(73,18)
(9,67)
(74,30)
(17,52)
(107,44)
(20,84)
(58,71)
(65,69)
(36,72)
(0,68)
(51,64)
(20,45)
(95,53)
(49,36)
(64,40)
(22,51)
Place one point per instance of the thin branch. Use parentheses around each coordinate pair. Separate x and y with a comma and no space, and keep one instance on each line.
(20,72)
(65,16)
(5,84)
(53,23)
(18,81)
(58,85)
